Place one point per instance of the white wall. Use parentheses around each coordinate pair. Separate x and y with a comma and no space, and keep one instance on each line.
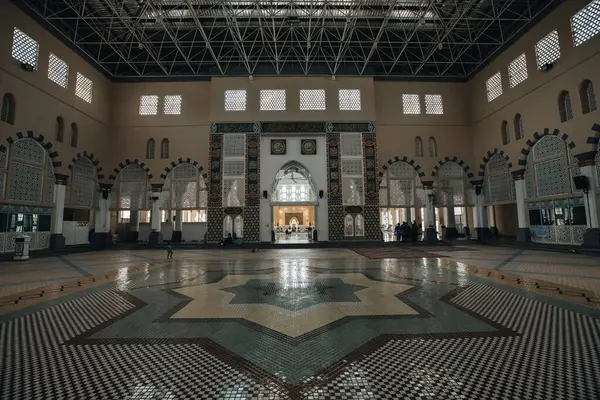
(271,164)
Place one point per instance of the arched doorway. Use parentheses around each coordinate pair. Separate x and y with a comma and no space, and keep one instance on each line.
(293,203)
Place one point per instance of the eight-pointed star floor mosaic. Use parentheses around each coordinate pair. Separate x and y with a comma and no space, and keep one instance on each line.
(322,324)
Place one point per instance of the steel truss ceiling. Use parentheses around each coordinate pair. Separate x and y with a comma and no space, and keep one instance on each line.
(136,40)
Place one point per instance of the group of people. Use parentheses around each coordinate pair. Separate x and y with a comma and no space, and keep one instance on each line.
(407,231)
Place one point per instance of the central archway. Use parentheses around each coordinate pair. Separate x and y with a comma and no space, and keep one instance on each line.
(293,204)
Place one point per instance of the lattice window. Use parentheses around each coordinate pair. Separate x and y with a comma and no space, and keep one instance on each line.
(586,23)
(82,189)
(58,71)
(132,188)
(83,88)
(272,100)
(517,70)
(432,147)
(494,86)
(434,104)
(552,178)
(352,191)
(400,170)
(233,192)
(238,226)
(349,99)
(359,225)
(185,172)
(548,147)
(518,126)
(234,168)
(411,104)
(31,176)
(25,49)
(235,100)
(312,99)
(352,167)
(227,226)
(418,147)
(351,144)
(172,104)
(591,97)
(564,106)
(149,105)
(498,180)
(505,133)
(133,172)
(450,190)
(150,149)
(401,192)
(234,145)
(547,50)
(348,225)
(164,148)
(588,97)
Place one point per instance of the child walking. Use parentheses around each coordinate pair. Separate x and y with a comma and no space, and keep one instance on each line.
(169,250)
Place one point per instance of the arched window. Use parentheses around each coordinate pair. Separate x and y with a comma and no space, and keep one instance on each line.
(348,225)
(450,185)
(359,225)
(150,147)
(131,189)
(59,129)
(82,185)
(74,135)
(186,191)
(564,106)
(505,133)
(9,105)
(432,147)
(164,149)
(238,226)
(498,184)
(227,226)
(518,126)
(588,97)
(418,147)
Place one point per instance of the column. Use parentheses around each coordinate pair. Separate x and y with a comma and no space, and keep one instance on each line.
(57,240)
(102,236)
(523,233)
(133,228)
(155,222)
(450,222)
(491,213)
(429,230)
(591,237)
(178,226)
(480,215)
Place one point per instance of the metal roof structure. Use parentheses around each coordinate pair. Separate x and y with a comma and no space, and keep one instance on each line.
(137,40)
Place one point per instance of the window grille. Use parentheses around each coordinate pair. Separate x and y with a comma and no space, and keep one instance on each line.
(418,147)
(172,105)
(432,147)
(312,99)
(25,49)
(149,105)
(58,71)
(519,131)
(411,104)
(349,99)
(588,97)
(150,147)
(272,100)
(494,86)
(505,133)
(83,88)
(547,50)
(235,100)
(164,149)
(517,70)
(564,106)
(434,104)
(586,23)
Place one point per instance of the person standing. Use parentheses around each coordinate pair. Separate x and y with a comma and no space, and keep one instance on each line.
(398,231)
(169,250)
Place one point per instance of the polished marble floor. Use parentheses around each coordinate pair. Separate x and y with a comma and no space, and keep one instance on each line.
(466,322)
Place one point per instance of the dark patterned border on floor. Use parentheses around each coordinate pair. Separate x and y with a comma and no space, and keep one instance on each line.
(378,253)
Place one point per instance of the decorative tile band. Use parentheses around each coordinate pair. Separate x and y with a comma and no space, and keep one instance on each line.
(371,209)
(215,196)
(252,209)
(292,127)
(335,209)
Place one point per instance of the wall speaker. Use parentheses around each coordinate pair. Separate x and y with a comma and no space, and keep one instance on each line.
(321,194)
(478,190)
(265,194)
(105,194)
(581,182)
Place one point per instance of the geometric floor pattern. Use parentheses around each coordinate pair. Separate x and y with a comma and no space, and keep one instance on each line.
(446,334)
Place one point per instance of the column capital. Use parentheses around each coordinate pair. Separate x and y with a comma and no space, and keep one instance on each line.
(61,179)
(427,185)
(105,187)
(157,187)
(518,175)
(585,159)
(586,163)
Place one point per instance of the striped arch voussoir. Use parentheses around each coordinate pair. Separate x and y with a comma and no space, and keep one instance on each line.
(129,162)
(536,138)
(594,140)
(93,159)
(41,140)
(460,162)
(487,158)
(175,163)
(384,167)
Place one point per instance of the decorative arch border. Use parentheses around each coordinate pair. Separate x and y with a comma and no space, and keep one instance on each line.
(40,139)
(179,161)
(536,138)
(455,159)
(487,158)
(129,162)
(294,163)
(92,158)
(593,141)
(411,162)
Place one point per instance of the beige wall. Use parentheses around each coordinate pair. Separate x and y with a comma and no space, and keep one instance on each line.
(39,100)
(536,99)
(506,219)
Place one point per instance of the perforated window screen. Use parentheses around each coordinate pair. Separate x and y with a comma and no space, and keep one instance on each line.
(434,104)
(149,105)
(172,104)
(83,88)
(25,49)
(58,71)
(517,70)
(411,104)
(312,99)
(547,50)
(494,86)
(272,100)
(235,100)
(349,99)
(586,23)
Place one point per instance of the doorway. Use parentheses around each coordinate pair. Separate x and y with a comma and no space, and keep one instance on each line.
(293,224)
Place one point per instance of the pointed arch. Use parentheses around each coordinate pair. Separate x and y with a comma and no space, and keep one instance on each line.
(418,147)
(537,137)
(486,159)
(164,148)
(518,127)
(9,108)
(292,167)
(460,162)
(54,156)
(127,162)
(505,133)
(432,147)
(181,160)
(412,162)
(565,108)
(587,95)
(150,149)
(74,139)
(92,158)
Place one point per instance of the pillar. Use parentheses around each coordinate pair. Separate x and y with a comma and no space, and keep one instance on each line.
(429,230)
(178,226)
(480,214)
(57,240)
(102,236)
(450,222)
(133,229)
(523,233)
(587,166)
(155,238)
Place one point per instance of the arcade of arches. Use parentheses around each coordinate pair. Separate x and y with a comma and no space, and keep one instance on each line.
(332,195)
